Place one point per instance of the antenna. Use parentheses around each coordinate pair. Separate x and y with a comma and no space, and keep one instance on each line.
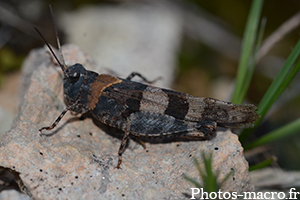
(49,47)
(57,38)
(62,66)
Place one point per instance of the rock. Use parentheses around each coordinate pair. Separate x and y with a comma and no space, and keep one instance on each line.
(141,37)
(6,118)
(77,159)
(275,178)
(13,195)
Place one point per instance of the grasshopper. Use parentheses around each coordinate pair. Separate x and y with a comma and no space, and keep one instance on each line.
(143,110)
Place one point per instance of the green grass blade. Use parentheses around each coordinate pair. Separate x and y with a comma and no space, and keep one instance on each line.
(284,131)
(253,63)
(287,81)
(272,92)
(247,47)
(210,183)
(279,84)
(231,173)
(209,179)
(196,162)
(262,164)
(196,183)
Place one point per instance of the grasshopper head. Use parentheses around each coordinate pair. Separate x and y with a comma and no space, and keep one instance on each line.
(73,82)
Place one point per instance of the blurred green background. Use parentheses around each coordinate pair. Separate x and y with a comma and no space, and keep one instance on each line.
(203,68)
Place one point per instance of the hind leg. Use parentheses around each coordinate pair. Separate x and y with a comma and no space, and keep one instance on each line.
(121,149)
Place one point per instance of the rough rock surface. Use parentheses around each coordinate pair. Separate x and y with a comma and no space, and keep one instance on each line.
(78,158)
(13,194)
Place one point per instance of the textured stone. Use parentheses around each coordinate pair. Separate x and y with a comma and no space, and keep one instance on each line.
(275,178)
(13,195)
(78,158)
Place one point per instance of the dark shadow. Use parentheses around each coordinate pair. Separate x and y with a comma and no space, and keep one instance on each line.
(54,131)
(11,178)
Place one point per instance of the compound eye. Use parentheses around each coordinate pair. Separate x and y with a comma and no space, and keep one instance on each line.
(74,76)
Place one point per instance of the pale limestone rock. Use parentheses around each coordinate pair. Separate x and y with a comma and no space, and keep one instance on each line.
(77,161)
